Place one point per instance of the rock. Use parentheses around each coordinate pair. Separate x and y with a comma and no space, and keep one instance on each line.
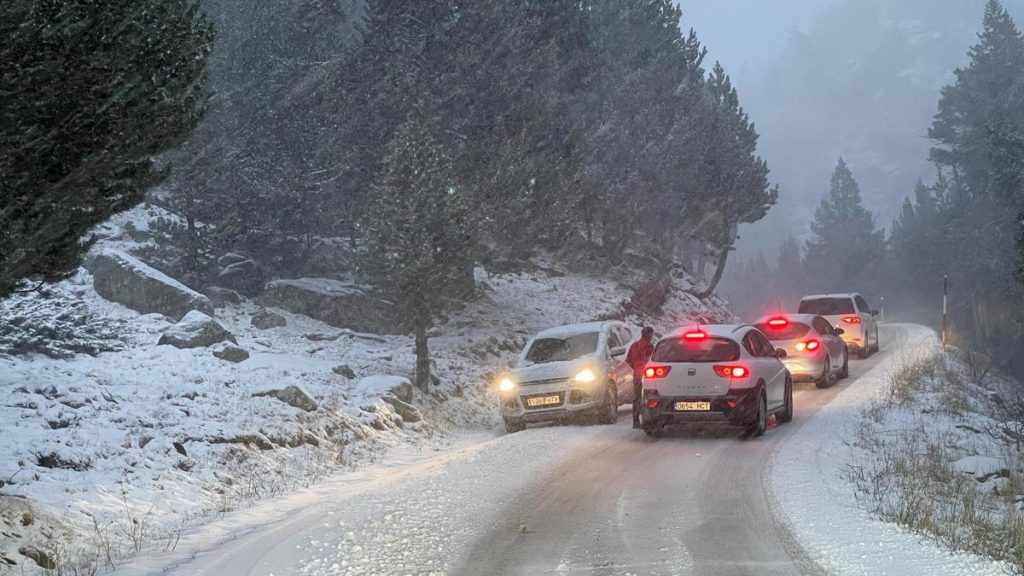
(382,386)
(265,320)
(42,559)
(195,330)
(344,371)
(221,297)
(246,277)
(408,412)
(144,440)
(293,396)
(231,353)
(124,279)
(180,448)
(334,302)
(321,337)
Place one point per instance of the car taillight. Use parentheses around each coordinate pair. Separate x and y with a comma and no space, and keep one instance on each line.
(732,371)
(778,322)
(810,346)
(656,372)
(851,319)
(652,404)
(695,336)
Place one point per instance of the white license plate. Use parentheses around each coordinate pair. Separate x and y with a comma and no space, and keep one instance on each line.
(693,406)
(543,401)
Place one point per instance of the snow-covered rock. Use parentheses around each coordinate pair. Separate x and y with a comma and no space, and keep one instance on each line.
(334,302)
(124,279)
(231,353)
(265,320)
(195,330)
(245,277)
(221,297)
(382,386)
(293,396)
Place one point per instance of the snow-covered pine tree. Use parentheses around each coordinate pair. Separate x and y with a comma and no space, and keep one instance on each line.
(91,92)
(845,244)
(416,232)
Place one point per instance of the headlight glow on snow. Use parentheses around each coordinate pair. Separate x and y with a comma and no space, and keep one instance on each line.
(506,385)
(587,375)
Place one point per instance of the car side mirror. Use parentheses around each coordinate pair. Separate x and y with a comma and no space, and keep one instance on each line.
(840,331)
(780,353)
(874,313)
(616,352)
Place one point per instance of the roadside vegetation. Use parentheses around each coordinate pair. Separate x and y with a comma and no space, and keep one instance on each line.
(941,454)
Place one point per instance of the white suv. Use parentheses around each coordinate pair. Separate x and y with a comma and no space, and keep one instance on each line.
(852,314)
(569,372)
(729,374)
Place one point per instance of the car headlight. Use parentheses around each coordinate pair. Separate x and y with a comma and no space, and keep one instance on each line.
(506,385)
(587,375)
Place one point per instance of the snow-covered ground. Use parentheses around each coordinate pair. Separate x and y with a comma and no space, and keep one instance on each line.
(811,480)
(124,451)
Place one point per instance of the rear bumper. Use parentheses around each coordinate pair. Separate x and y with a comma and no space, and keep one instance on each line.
(805,369)
(855,338)
(738,407)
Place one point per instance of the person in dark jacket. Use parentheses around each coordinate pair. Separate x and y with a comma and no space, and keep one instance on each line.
(637,358)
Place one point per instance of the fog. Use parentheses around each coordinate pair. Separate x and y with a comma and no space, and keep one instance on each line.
(823,79)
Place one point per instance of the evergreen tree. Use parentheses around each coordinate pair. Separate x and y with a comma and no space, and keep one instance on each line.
(416,233)
(845,243)
(91,92)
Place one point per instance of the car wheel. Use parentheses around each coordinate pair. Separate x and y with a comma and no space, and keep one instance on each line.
(513,426)
(787,413)
(878,343)
(845,372)
(610,410)
(825,380)
(760,423)
(862,353)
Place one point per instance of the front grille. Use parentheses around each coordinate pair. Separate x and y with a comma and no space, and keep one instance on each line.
(526,401)
(539,382)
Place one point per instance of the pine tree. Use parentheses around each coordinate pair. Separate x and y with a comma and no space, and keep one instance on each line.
(845,243)
(91,91)
(416,232)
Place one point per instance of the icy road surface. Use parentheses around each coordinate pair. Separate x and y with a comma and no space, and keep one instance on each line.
(575,500)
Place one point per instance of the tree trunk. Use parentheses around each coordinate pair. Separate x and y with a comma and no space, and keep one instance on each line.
(422,355)
(723,258)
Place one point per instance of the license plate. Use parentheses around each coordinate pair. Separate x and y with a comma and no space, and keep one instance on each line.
(543,401)
(693,406)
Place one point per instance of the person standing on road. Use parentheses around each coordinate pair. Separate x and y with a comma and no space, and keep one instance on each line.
(637,358)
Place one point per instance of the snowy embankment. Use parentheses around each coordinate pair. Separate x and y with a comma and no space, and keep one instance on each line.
(813,477)
(107,455)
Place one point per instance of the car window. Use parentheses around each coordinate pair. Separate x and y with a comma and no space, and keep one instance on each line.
(863,305)
(613,339)
(625,335)
(763,346)
(827,306)
(823,327)
(791,331)
(545,350)
(707,350)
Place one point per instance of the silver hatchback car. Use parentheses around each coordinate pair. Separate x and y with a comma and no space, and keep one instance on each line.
(567,373)
(815,350)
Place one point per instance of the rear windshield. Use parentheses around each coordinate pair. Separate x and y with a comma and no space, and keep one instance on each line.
(827,306)
(546,350)
(708,350)
(790,331)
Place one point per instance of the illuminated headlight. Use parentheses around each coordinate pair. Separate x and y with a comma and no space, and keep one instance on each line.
(586,375)
(506,385)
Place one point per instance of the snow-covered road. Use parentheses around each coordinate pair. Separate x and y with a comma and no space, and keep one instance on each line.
(586,500)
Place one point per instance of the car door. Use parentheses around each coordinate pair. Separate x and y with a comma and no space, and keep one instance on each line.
(832,341)
(618,371)
(870,324)
(771,369)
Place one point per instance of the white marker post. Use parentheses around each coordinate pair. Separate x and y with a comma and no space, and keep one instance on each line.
(945,308)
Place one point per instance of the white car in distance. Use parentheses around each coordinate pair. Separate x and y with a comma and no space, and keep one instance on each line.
(569,373)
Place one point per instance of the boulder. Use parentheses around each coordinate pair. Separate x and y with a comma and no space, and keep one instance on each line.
(245,277)
(231,353)
(122,278)
(221,297)
(345,371)
(195,330)
(408,412)
(265,320)
(382,386)
(337,303)
(293,396)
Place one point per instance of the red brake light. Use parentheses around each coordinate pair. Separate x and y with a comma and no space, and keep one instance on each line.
(778,322)
(851,319)
(652,404)
(810,346)
(732,371)
(656,372)
(695,335)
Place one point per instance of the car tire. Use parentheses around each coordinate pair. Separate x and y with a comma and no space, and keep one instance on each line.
(513,426)
(878,343)
(862,353)
(845,372)
(760,423)
(610,410)
(825,381)
(787,411)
